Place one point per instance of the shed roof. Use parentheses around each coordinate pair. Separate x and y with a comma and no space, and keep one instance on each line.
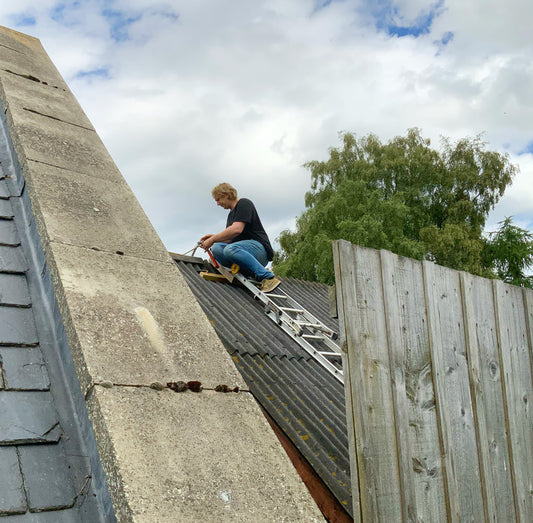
(297,392)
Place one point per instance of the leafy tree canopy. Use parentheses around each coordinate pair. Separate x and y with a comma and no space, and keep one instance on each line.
(508,252)
(403,196)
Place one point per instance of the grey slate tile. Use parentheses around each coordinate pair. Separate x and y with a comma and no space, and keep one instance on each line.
(8,233)
(6,210)
(14,290)
(57,516)
(17,326)
(47,477)
(4,191)
(28,417)
(12,260)
(29,420)
(12,498)
(24,369)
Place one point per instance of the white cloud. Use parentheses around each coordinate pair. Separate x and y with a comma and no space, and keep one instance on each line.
(518,197)
(246,92)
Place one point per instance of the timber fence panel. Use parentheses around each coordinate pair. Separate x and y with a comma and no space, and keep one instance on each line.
(515,357)
(413,393)
(454,404)
(486,388)
(369,378)
(439,377)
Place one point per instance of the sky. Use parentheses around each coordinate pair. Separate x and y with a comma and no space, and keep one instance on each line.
(187,94)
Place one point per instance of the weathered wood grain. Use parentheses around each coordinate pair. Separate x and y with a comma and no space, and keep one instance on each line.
(451,381)
(515,358)
(369,376)
(343,283)
(486,389)
(423,496)
(439,380)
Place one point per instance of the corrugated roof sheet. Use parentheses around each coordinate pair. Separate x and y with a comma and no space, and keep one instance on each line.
(303,398)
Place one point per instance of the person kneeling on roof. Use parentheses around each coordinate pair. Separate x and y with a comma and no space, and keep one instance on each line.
(244,240)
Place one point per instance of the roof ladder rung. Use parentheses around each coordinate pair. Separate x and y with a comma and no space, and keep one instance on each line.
(293,327)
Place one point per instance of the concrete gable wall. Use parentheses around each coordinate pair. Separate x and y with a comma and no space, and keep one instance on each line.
(131,322)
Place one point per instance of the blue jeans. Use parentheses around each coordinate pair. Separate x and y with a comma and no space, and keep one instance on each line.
(249,255)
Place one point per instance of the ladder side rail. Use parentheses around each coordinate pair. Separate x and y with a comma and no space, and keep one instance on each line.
(291,304)
(264,298)
(312,351)
(311,319)
(289,325)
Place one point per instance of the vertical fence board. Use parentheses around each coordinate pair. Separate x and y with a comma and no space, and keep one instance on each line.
(368,370)
(416,420)
(516,366)
(528,306)
(528,421)
(345,308)
(486,387)
(454,405)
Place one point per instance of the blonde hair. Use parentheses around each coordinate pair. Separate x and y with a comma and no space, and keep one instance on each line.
(224,189)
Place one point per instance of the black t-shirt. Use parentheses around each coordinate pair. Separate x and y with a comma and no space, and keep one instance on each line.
(245,212)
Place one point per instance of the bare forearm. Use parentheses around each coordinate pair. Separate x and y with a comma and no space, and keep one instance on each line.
(223,236)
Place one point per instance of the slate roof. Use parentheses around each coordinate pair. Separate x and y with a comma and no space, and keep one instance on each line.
(45,470)
(303,399)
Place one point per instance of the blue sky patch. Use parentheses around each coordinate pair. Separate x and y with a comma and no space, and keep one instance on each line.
(166,13)
(390,19)
(320,4)
(119,23)
(57,14)
(528,149)
(446,38)
(61,11)
(101,73)
(23,20)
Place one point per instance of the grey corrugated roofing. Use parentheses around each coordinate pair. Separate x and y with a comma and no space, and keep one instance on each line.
(297,392)
(47,473)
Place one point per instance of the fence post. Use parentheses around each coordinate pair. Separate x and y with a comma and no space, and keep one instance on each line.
(368,381)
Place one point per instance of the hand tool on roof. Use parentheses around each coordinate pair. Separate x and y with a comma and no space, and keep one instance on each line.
(310,333)
(222,275)
(213,261)
(193,250)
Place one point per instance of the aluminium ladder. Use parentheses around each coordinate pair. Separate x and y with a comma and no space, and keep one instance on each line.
(302,326)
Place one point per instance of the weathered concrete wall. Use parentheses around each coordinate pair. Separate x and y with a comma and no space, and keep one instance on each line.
(132,321)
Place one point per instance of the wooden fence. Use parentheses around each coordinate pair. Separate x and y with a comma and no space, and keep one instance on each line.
(438,367)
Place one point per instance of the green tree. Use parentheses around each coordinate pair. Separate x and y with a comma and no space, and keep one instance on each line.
(403,196)
(508,252)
